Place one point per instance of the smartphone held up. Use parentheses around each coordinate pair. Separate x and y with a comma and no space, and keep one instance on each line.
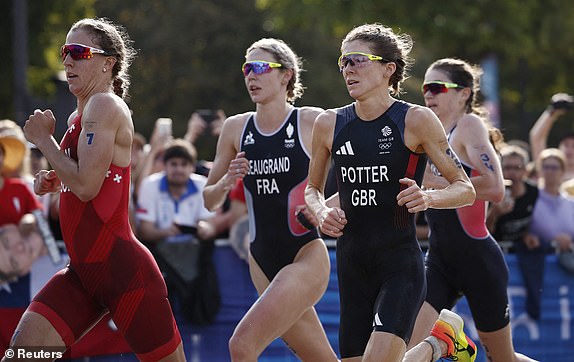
(164,126)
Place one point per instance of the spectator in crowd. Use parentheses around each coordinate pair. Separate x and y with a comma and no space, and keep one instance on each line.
(560,104)
(21,244)
(552,218)
(16,198)
(33,161)
(509,221)
(18,251)
(152,162)
(171,201)
(553,213)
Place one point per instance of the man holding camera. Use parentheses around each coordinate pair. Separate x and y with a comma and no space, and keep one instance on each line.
(560,104)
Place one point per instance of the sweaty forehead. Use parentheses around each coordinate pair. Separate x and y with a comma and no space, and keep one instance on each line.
(356,46)
(80,36)
(436,75)
(260,54)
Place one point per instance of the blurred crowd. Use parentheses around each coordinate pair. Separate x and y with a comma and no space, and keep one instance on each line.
(534,219)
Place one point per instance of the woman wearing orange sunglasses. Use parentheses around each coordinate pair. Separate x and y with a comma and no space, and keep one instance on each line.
(109,270)
(463,258)
(269,149)
(379,146)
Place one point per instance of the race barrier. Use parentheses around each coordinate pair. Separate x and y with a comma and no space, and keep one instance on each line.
(549,340)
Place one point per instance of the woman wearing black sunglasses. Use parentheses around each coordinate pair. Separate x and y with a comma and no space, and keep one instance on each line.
(109,270)
(379,146)
(463,258)
(269,149)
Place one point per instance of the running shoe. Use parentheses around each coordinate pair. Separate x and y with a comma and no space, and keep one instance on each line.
(449,328)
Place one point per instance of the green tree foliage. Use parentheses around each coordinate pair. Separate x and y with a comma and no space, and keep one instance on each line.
(190,55)
(532,40)
(190,52)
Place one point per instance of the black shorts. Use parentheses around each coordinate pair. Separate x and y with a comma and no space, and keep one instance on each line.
(274,253)
(381,289)
(471,267)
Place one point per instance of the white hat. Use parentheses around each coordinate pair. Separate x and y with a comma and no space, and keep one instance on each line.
(14,150)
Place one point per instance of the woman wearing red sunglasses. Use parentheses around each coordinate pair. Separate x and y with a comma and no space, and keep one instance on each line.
(269,149)
(463,258)
(379,146)
(109,270)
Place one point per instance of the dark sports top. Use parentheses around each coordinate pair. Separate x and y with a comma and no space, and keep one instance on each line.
(370,157)
(514,225)
(91,228)
(275,184)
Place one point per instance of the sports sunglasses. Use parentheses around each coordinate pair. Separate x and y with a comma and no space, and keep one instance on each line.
(258,67)
(358,59)
(436,87)
(80,51)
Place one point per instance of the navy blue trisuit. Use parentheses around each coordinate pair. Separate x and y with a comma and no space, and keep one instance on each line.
(274,190)
(379,262)
(464,260)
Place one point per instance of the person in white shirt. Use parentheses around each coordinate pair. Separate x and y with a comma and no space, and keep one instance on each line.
(170,202)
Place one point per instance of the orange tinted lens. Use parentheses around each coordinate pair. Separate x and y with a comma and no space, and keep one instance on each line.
(76,51)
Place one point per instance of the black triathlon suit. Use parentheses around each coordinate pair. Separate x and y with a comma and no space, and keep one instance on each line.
(379,262)
(274,188)
(464,259)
